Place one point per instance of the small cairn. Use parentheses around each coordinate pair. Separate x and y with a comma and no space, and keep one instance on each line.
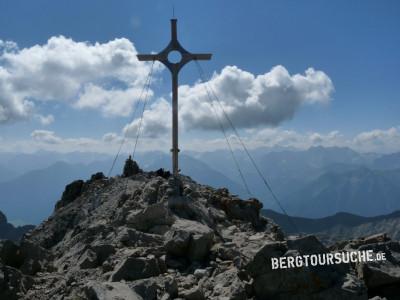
(131,168)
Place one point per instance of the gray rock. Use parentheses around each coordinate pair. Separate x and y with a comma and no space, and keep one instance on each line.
(10,254)
(71,192)
(146,288)
(110,291)
(200,273)
(13,283)
(150,191)
(189,238)
(171,286)
(88,260)
(308,244)
(303,281)
(133,268)
(194,293)
(133,238)
(153,215)
(227,284)
(97,176)
(34,258)
(177,242)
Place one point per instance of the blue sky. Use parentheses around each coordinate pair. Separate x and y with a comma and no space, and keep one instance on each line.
(354,43)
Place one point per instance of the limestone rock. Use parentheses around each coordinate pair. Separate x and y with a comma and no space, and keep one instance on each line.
(193,294)
(133,268)
(71,192)
(150,217)
(110,291)
(13,284)
(270,283)
(97,176)
(189,238)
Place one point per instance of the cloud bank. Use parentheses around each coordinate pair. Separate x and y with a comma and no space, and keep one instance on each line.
(102,76)
(376,140)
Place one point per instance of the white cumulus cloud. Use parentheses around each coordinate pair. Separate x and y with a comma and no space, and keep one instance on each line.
(72,72)
(378,139)
(45,120)
(156,121)
(253,100)
(249,100)
(46,136)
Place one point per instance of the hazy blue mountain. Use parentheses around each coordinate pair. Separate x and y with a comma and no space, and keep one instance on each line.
(21,163)
(31,197)
(388,161)
(361,191)
(315,182)
(341,226)
(6,173)
(287,170)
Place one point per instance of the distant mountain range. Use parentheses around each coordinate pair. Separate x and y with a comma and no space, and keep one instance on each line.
(339,227)
(320,181)
(9,232)
(316,182)
(31,197)
(361,191)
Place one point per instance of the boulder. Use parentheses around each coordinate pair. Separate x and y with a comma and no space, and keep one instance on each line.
(299,281)
(190,239)
(34,258)
(308,244)
(13,284)
(71,192)
(162,173)
(382,277)
(133,268)
(95,290)
(171,286)
(131,237)
(150,192)
(146,288)
(194,293)
(10,254)
(235,208)
(88,260)
(227,284)
(150,217)
(177,242)
(97,176)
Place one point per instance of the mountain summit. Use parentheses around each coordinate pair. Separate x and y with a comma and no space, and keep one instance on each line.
(135,237)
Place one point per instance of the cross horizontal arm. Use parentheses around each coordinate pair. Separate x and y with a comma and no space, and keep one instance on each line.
(204,56)
(150,57)
(147,57)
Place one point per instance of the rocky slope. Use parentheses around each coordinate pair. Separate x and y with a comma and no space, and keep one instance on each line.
(138,237)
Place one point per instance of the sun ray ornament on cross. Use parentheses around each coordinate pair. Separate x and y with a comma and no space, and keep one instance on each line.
(174,64)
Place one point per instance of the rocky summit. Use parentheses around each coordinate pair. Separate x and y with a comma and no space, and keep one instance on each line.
(140,236)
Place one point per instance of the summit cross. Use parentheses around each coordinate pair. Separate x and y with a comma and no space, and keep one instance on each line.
(174,66)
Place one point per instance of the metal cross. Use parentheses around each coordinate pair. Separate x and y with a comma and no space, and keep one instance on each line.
(174,68)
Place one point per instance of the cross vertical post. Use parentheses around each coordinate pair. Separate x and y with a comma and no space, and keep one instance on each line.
(174,68)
